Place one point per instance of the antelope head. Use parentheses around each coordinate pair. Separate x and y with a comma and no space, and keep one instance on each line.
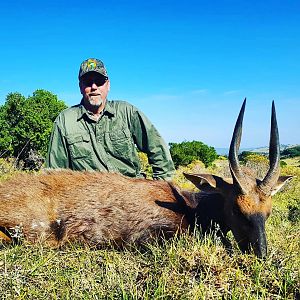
(247,200)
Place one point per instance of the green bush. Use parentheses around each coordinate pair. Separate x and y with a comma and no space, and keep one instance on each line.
(283,163)
(291,152)
(26,124)
(247,156)
(186,152)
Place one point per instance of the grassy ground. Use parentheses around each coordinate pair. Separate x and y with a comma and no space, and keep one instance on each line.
(189,267)
(295,161)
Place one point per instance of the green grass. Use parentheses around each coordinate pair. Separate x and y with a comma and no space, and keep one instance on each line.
(293,161)
(186,267)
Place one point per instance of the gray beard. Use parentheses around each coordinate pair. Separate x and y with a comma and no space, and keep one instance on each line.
(95,105)
(90,106)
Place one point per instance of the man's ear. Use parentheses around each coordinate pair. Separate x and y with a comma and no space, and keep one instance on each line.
(281,182)
(108,85)
(81,87)
(208,182)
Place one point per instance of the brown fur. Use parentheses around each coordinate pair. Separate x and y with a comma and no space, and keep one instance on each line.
(254,205)
(93,207)
(98,208)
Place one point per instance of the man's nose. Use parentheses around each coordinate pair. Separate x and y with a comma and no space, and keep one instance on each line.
(94,86)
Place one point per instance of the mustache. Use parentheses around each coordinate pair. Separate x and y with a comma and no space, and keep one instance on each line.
(95,94)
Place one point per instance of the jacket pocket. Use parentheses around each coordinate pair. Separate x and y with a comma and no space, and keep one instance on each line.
(79,146)
(121,143)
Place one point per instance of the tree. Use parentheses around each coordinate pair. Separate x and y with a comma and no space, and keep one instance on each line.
(26,124)
(291,152)
(186,152)
(245,155)
(10,115)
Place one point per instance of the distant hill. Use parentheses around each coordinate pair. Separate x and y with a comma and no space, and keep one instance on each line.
(265,150)
(260,150)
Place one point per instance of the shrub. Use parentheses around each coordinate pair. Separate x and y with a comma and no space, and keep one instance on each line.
(146,168)
(26,125)
(259,164)
(7,168)
(291,152)
(283,163)
(186,152)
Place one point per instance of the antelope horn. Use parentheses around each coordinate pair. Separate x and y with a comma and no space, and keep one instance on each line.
(274,156)
(235,168)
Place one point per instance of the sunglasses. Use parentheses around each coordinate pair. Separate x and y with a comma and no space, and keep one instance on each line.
(98,80)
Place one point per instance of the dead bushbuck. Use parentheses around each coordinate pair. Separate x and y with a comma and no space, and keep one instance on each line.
(57,206)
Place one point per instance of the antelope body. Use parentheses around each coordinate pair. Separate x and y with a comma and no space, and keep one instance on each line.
(57,206)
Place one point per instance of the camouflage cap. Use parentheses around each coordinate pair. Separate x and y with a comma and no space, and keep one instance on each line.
(92,65)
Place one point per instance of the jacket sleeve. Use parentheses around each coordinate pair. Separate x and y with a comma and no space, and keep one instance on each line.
(57,156)
(148,140)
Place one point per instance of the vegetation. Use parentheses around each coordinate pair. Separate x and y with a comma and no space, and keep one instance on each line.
(26,125)
(146,168)
(246,155)
(186,152)
(255,162)
(7,168)
(295,161)
(291,152)
(187,267)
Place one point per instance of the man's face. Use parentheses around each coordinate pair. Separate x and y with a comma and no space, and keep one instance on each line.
(94,88)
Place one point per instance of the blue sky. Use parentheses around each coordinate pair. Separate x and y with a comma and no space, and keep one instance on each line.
(187,65)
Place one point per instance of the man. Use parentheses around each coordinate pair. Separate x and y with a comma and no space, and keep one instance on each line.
(103,135)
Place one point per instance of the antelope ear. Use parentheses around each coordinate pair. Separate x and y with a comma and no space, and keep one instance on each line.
(281,182)
(208,182)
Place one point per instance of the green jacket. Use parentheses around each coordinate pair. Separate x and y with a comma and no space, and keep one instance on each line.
(77,142)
